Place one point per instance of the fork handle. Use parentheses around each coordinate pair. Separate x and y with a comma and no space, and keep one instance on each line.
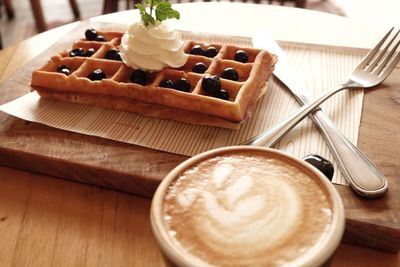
(363,177)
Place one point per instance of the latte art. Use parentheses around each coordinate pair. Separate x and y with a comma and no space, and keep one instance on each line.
(226,211)
(239,209)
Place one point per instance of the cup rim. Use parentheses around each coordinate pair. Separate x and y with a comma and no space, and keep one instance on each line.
(319,253)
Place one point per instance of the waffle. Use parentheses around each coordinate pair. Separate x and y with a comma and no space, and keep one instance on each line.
(116,91)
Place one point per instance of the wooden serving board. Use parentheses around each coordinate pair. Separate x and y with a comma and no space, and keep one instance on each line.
(133,169)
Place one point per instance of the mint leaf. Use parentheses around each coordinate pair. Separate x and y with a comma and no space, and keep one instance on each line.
(164,11)
(146,17)
(141,8)
(155,2)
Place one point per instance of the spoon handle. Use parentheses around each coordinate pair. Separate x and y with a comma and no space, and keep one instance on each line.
(363,177)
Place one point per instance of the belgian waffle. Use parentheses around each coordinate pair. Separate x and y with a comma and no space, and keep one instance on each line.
(116,91)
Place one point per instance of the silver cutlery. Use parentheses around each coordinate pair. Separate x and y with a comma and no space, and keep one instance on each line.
(363,177)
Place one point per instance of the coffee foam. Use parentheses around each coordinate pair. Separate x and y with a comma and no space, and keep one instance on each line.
(242,210)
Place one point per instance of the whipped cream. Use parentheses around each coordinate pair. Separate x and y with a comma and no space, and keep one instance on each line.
(153,47)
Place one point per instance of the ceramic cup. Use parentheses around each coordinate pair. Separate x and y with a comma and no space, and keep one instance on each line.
(246,206)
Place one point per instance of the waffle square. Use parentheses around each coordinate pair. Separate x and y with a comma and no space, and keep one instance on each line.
(116,91)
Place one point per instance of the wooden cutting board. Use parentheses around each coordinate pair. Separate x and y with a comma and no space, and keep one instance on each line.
(133,169)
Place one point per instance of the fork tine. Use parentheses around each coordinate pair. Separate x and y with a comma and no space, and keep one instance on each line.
(388,57)
(391,65)
(373,52)
(381,54)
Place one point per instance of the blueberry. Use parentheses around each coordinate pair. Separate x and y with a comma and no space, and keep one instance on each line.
(241,56)
(100,38)
(197,50)
(167,83)
(222,94)
(322,164)
(230,74)
(211,51)
(211,84)
(199,67)
(139,77)
(183,85)
(64,70)
(89,52)
(77,52)
(91,34)
(113,54)
(97,75)
(62,66)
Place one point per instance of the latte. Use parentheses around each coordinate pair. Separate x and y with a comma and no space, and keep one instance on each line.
(246,207)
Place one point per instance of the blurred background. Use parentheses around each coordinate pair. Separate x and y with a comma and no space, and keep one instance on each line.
(20,19)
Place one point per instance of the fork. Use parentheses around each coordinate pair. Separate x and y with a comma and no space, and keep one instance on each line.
(371,71)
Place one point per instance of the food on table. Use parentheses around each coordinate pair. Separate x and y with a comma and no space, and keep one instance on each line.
(96,75)
(198,50)
(160,75)
(199,67)
(230,74)
(211,51)
(322,164)
(241,56)
(139,77)
(167,83)
(216,91)
(113,54)
(91,34)
(64,70)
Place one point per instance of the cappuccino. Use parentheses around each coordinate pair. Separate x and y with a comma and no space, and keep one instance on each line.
(246,207)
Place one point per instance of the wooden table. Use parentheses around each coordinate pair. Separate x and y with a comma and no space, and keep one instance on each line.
(53,222)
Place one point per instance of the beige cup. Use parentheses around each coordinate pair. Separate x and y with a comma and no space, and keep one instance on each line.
(246,206)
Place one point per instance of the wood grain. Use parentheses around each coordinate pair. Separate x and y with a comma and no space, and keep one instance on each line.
(108,228)
(138,170)
(380,140)
(52,222)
